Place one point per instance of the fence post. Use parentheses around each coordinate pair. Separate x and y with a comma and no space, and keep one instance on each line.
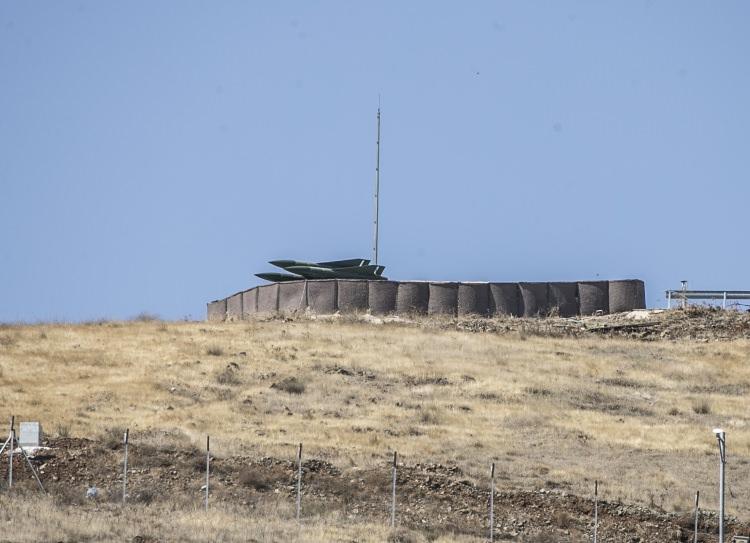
(697,512)
(492,503)
(208,466)
(393,492)
(596,509)
(299,480)
(10,455)
(125,466)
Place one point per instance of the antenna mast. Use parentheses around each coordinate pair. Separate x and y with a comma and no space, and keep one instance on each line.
(377,189)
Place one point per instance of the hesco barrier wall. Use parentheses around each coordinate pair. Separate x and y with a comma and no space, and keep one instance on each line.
(328,296)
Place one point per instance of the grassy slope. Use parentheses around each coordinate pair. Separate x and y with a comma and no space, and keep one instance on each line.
(563,412)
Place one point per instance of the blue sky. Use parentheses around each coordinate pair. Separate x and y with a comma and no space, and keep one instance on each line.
(154,155)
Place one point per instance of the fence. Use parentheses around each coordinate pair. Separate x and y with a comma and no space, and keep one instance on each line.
(329,296)
(486,525)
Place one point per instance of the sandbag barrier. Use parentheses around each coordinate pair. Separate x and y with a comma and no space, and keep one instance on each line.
(328,296)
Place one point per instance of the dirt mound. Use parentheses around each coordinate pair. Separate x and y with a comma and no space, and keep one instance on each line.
(694,323)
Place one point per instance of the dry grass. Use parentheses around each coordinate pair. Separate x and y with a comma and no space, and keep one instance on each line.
(39,519)
(550,411)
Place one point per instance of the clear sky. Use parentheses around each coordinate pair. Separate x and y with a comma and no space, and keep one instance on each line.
(154,155)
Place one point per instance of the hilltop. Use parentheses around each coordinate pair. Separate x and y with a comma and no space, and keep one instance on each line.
(556,403)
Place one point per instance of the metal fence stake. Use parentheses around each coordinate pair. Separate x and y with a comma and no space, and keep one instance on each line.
(208,466)
(492,503)
(299,480)
(393,491)
(596,509)
(697,513)
(722,439)
(12,447)
(125,466)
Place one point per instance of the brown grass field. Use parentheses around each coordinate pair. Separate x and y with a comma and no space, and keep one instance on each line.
(552,412)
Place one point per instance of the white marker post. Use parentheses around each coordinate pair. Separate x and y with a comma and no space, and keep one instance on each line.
(299,481)
(492,502)
(125,466)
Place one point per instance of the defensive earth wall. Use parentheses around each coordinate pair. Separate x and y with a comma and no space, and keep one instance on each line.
(327,296)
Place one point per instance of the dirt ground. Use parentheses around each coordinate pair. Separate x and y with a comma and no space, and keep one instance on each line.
(433,499)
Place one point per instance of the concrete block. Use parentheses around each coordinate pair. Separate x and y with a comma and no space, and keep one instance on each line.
(382,297)
(505,299)
(30,434)
(352,295)
(292,296)
(564,296)
(268,298)
(534,299)
(321,296)
(234,307)
(473,299)
(593,296)
(443,299)
(626,295)
(249,302)
(216,311)
(412,297)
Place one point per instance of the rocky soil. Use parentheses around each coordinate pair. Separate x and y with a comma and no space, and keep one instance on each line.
(433,499)
(694,323)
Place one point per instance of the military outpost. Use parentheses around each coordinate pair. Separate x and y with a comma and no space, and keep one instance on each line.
(353,286)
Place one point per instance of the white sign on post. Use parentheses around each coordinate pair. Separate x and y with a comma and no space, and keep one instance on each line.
(30,435)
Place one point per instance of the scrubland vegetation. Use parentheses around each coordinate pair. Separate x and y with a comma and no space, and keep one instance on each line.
(552,412)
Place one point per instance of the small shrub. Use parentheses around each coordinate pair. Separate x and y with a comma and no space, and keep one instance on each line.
(214,350)
(291,385)
(402,535)
(562,519)
(537,391)
(254,478)
(673,412)
(228,376)
(112,438)
(145,316)
(702,408)
(62,430)
(431,416)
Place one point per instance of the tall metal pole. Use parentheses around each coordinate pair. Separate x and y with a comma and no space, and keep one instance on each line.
(377,190)
(721,438)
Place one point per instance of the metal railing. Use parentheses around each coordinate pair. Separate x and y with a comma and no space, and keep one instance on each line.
(723,295)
